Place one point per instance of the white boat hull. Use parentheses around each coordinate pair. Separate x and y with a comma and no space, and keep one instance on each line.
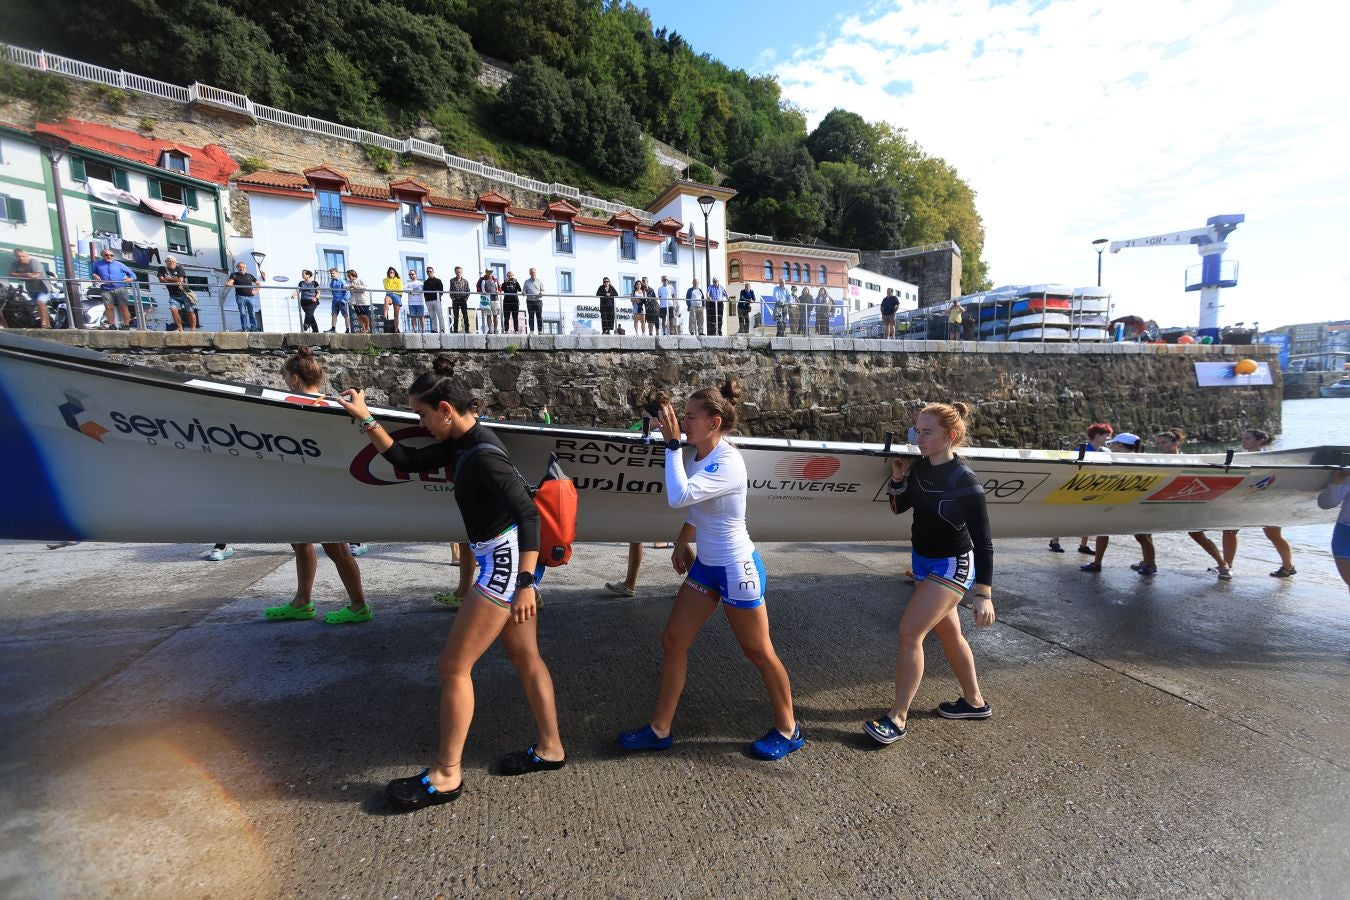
(120,453)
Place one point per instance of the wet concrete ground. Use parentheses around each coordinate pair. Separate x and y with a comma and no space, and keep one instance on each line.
(158,738)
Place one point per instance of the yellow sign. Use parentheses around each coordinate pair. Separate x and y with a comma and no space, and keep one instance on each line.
(1105,488)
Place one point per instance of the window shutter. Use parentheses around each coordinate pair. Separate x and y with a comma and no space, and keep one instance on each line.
(190,195)
(14,210)
(120,179)
(155,192)
(77,169)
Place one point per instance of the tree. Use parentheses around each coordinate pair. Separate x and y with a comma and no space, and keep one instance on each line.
(533,104)
(844,136)
(782,194)
(336,89)
(860,210)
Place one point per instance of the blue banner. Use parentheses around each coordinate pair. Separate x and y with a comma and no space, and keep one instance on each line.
(1281,341)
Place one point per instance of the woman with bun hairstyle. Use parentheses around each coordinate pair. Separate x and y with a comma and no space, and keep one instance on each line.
(304,375)
(952,550)
(503,529)
(1255,440)
(708,481)
(1125,442)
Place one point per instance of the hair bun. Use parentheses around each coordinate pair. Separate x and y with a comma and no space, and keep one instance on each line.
(304,352)
(731,390)
(443,365)
(963,410)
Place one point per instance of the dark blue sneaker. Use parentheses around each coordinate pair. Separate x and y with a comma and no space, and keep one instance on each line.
(883,730)
(960,709)
(644,739)
(774,746)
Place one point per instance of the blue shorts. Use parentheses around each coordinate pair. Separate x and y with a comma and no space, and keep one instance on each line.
(1340,541)
(955,573)
(416,309)
(339,307)
(739,584)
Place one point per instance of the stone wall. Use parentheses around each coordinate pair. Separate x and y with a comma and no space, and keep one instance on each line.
(936,273)
(793,387)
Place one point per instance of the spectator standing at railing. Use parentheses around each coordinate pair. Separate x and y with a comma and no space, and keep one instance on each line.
(459,302)
(172,276)
(651,310)
(24,267)
(307,290)
(489,301)
(339,297)
(534,303)
(889,304)
(823,304)
(432,289)
(665,294)
(695,298)
(781,312)
(393,294)
(606,293)
(417,309)
(794,312)
(955,313)
(360,301)
(245,285)
(717,301)
(744,304)
(511,291)
(112,278)
(639,301)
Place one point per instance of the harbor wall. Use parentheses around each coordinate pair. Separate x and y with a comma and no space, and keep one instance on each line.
(1025,396)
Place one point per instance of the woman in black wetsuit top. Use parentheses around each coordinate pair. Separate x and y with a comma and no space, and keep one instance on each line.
(503,528)
(952,550)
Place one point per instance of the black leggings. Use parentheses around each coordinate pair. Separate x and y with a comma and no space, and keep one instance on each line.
(512,315)
(310,324)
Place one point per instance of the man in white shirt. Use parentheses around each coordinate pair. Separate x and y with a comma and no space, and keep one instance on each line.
(534,303)
(695,297)
(781,307)
(666,295)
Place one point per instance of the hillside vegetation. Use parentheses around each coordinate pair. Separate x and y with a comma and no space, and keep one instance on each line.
(590,77)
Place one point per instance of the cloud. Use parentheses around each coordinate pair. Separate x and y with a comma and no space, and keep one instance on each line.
(1076,120)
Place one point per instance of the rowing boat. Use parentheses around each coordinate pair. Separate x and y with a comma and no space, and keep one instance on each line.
(96,450)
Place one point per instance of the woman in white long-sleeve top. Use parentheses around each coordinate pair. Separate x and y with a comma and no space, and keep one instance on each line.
(709,481)
(1337,492)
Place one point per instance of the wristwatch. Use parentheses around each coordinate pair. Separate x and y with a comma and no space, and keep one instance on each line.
(524,580)
(673,444)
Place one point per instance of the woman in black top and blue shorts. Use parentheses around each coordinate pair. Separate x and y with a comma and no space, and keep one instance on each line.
(952,550)
(503,528)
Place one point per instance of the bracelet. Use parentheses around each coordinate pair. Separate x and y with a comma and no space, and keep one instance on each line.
(369,424)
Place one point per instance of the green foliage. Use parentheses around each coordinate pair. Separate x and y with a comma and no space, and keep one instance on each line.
(250,164)
(147,124)
(844,136)
(783,192)
(699,172)
(113,98)
(339,91)
(49,94)
(380,159)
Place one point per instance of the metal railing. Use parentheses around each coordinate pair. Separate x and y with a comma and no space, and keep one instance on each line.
(43,61)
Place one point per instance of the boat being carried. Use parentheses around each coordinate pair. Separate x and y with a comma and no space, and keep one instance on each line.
(96,450)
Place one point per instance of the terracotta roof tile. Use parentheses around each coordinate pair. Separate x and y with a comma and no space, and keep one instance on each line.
(451,203)
(275,179)
(525,212)
(370,191)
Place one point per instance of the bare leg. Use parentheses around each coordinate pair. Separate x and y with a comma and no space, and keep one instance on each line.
(929,605)
(959,657)
(634,563)
(466,569)
(306,564)
(1208,546)
(690,610)
(1343,566)
(1146,549)
(1103,541)
(520,641)
(1230,542)
(348,571)
(476,626)
(751,627)
(1281,545)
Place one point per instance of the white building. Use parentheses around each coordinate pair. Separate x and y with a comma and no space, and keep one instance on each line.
(320,219)
(867,289)
(143,197)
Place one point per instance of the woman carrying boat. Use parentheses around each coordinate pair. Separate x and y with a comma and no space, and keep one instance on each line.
(709,482)
(1170,441)
(1125,442)
(1255,440)
(304,375)
(503,527)
(1337,493)
(952,550)
(1098,434)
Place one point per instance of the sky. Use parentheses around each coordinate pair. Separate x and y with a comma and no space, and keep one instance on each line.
(1082,119)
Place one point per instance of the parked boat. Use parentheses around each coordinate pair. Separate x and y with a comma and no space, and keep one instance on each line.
(1339,389)
(112,452)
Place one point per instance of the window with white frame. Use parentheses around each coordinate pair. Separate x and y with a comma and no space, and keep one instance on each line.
(330,210)
(410,220)
(628,244)
(11,210)
(105,220)
(823,276)
(335,259)
(564,281)
(787,271)
(670,250)
(562,237)
(172,159)
(177,239)
(629,285)
(768,270)
(734,270)
(496,229)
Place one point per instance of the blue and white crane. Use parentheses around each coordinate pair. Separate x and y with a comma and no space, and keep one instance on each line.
(1208,277)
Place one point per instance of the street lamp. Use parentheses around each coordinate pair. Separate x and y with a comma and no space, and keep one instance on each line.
(55,147)
(258,257)
(1100,244)
(705,203)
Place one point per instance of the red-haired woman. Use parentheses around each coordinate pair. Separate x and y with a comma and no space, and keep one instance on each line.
(952,550)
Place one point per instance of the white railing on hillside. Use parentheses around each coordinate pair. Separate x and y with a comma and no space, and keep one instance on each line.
(204,93)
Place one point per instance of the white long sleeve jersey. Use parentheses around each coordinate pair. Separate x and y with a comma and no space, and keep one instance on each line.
(712,489)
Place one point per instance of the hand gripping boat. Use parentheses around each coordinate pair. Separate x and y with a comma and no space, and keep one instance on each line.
(94,450)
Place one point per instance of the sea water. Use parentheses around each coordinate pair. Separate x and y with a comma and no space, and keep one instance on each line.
(1312,423)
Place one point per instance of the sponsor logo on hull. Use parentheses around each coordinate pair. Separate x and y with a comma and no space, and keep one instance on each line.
(1195,488)
(73,409)
(369,467)
(1104,488)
